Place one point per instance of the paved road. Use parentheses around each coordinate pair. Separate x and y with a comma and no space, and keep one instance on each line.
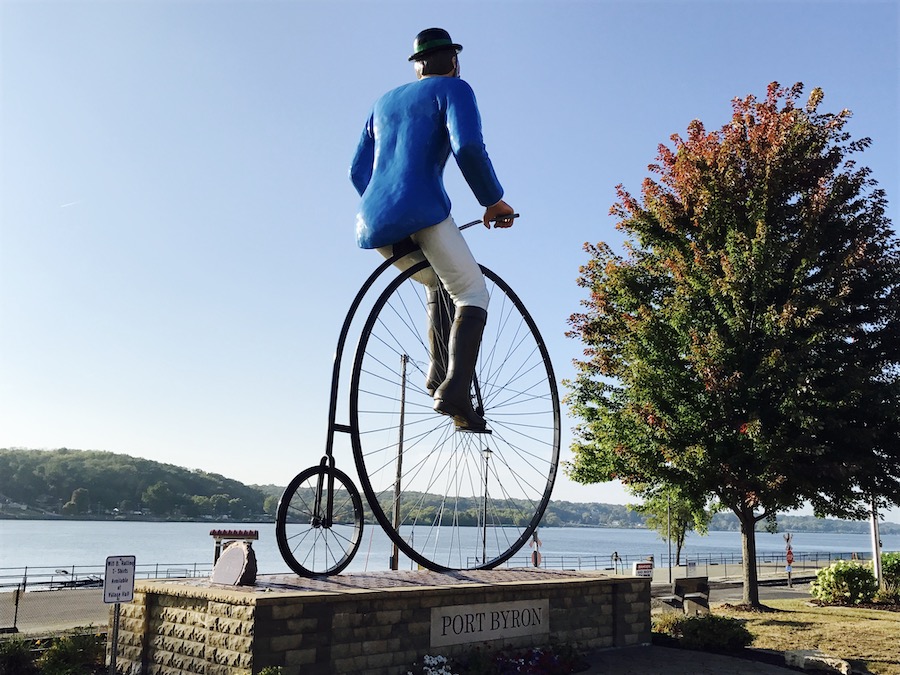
(733,592)
(54,611)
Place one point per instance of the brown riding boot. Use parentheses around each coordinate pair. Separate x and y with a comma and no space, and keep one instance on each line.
(454,396)
(440,319)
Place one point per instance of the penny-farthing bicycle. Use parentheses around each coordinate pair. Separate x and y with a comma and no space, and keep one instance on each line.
(448,499)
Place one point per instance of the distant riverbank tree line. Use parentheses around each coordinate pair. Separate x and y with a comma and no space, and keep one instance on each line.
(80,483)
(83,484)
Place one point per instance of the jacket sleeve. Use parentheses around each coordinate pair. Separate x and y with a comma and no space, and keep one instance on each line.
(467,144)
(363,160)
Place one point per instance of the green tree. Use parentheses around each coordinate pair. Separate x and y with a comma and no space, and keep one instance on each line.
(219,504)
(82,499)
(672,516)
(270,505)
(201,505)
(159,498)
(745,346)
(237,508)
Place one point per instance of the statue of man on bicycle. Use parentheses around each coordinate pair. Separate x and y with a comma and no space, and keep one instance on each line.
(398,171)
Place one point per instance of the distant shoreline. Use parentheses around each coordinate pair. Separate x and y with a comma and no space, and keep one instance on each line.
(833,526)
(128,519)
(95,486)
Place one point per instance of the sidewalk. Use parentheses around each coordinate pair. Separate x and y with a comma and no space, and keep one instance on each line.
(732,572)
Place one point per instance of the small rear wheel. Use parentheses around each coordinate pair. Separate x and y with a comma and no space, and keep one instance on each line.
(313,540)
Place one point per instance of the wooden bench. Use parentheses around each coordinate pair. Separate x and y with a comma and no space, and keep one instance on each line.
(690,595)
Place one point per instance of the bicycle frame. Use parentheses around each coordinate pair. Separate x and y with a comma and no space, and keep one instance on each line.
(333,426)
(320,515)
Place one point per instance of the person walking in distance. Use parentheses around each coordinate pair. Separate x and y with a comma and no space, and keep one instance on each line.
(398,172)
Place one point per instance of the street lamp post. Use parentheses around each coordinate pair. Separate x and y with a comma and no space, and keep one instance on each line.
(395,557)
(876,544)
(486,452)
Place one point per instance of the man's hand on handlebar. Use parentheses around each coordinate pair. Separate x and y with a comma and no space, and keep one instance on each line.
(501,214)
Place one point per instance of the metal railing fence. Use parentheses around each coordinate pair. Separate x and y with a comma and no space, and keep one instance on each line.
(711,565)
(55,578)
(50,600)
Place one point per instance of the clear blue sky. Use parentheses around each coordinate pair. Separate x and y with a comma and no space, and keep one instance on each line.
(176,221)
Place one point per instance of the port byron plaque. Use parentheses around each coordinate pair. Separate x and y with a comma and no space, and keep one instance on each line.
(460,624)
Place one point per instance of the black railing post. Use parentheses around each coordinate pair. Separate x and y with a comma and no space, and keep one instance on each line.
(16,611)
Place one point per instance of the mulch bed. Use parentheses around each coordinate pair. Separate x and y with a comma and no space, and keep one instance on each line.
(748,608)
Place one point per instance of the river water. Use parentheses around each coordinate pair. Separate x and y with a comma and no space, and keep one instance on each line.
(62,544)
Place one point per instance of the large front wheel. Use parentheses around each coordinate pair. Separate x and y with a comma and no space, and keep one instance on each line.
(451,499)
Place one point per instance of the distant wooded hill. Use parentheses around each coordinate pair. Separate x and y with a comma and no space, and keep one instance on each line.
(88,483)
(96,484)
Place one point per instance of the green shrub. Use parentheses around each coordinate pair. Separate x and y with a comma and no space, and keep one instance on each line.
(74,654)
(712,632)
(845,583)
(16,658)
(890,575)
(707,632)
(668,623)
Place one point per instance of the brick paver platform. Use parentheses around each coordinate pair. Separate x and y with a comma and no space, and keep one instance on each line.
(385,580)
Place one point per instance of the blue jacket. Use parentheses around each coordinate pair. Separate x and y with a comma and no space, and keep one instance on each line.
(399,164)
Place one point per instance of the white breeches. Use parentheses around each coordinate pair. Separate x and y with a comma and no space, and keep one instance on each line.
(452,264)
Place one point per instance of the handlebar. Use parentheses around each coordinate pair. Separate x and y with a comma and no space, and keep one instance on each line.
(493,220)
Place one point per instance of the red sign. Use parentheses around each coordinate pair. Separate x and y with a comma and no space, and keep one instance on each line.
(790,557)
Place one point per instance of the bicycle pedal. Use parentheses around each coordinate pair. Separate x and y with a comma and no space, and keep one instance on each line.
(469,430)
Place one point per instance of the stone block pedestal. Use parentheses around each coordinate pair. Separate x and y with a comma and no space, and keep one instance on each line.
(378,623)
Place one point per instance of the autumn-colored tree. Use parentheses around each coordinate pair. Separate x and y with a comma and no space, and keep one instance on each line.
(746,346)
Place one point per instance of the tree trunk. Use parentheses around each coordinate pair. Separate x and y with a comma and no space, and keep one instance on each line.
(748,548)
(679,544)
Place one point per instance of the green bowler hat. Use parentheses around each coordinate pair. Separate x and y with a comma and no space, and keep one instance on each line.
(432,40)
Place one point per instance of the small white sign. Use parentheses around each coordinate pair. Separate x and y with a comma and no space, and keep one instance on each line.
(642,569)
(118,582)
(461,624)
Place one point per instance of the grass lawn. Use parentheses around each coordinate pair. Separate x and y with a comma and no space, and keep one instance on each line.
(865,637)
